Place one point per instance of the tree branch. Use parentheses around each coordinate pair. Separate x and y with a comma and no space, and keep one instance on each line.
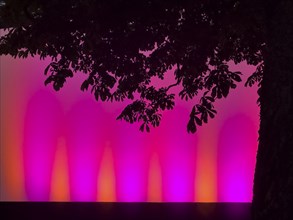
(178,81)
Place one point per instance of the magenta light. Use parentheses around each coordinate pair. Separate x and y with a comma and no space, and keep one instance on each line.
(177,151)
(84,135)
(88,128)
(41,130)
(131,160)
(237,140)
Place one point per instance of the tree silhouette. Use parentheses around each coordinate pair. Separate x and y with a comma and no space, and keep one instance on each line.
(123,45)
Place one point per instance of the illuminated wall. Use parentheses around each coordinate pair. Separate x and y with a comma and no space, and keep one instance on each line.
(65,146)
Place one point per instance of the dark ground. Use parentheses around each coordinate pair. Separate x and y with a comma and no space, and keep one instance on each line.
(137,211)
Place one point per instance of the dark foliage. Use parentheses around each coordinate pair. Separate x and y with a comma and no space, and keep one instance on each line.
(123,45)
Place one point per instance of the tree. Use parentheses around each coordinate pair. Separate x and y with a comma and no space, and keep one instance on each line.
(123,45)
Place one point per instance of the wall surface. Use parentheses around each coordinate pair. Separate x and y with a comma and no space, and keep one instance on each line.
(65,146)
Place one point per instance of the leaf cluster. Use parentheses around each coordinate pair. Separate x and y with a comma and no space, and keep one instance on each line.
(122,45)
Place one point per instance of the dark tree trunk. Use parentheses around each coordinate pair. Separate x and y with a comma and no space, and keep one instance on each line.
(273,182)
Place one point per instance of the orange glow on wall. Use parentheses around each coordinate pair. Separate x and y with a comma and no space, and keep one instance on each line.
(206,173)
(155,180)
(60,183)
(166,165)
(12,173)
(106,178)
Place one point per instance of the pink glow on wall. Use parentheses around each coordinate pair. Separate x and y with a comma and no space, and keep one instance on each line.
(177,152)
(40,139)
(155,180)
(131,163)
(60,179)
(235,183)
(206,165)
(65,146)
(106,179)
(84,136)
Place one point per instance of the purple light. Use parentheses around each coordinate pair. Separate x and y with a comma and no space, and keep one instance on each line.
(88,127)
(237,139)
(84,135)
(177,151)
(41,130)
(131,159)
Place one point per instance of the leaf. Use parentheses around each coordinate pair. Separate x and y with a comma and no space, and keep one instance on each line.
(210,98)
(84,85)
(97,94)
(192,111)
(191,127)
(198,121)
(214,92)
(69,73)
(47,69)
(103,96)
(141,128)
(211,114)
(236,77)
(205,93)
(204,117)
(56,86)
(225,90)
(48,80)
(213,110)
(119,117)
